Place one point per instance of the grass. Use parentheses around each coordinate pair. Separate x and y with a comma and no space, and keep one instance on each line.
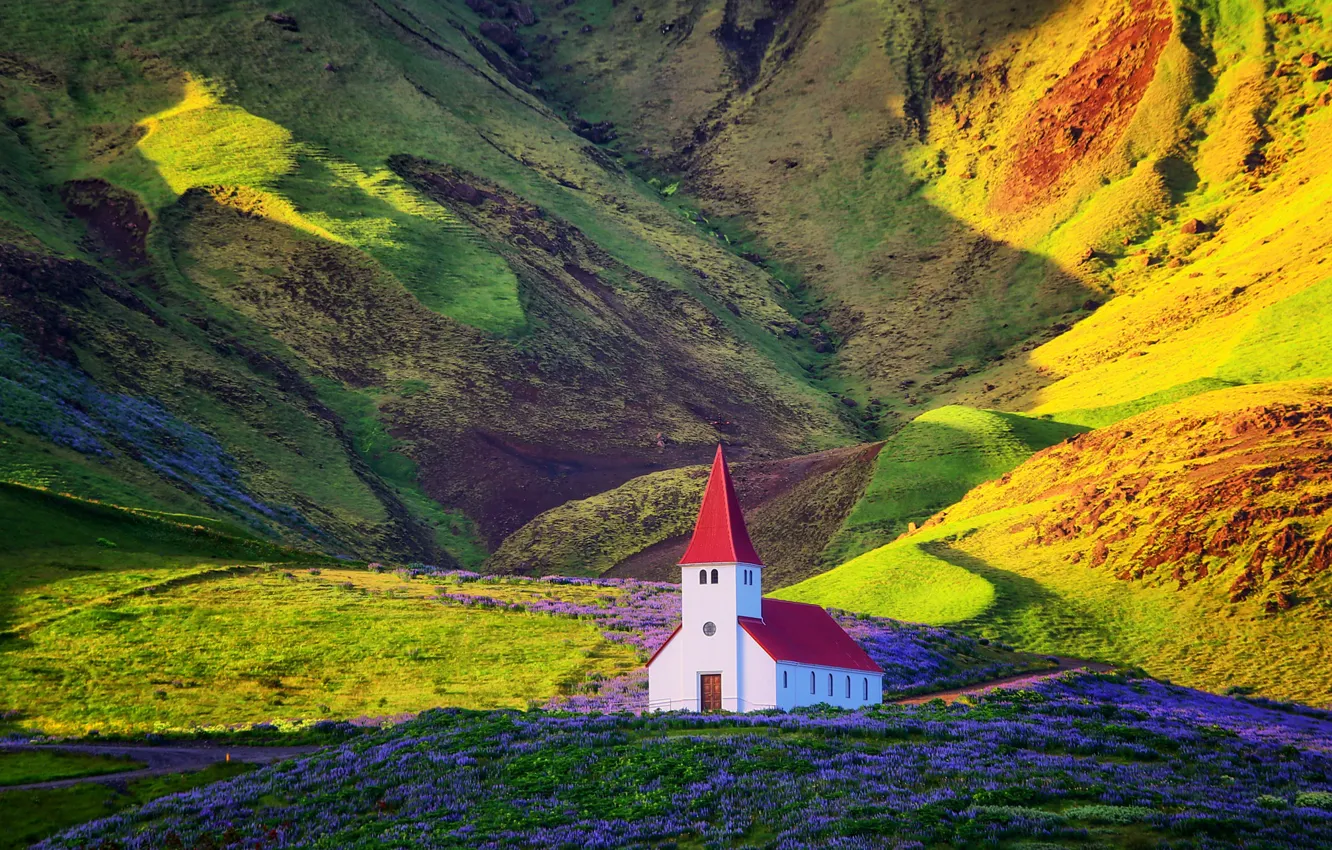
(933,462)
(287,645)
(1152,543)
(360,412)
(36,814)
(20,767)
(586,537)
(63,553)
(900,580)
(291,132)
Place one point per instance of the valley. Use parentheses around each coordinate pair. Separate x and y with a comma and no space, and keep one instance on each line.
(360,361)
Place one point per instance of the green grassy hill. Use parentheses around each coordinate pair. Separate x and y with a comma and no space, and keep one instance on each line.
(806,514)
(1192,540)
(134,621)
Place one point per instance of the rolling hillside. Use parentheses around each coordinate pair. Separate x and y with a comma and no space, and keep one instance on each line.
(1192,540)
(348,254)
(476,284)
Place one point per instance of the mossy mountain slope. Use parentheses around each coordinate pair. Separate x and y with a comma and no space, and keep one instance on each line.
(960,181)
(806,514)
(347,250)
(793,507)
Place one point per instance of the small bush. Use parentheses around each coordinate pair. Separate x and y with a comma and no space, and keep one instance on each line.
(1121,815)
(106,544)
(1269,801)
(1314,799)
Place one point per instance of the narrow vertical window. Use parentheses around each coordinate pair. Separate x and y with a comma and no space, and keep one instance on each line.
(785,682)
(811,681)
(866,696)
(829,684)
(702,576)
(848,687)
(714,576)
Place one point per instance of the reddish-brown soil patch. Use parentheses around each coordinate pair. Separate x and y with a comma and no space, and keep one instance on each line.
(114,217)
(1246,493)
(1086,112)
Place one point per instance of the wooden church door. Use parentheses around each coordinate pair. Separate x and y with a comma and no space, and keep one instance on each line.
(711,683)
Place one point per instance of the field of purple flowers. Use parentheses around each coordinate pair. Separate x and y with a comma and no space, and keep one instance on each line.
(1082,760)
(915,658)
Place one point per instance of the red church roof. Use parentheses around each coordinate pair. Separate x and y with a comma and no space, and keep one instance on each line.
(800,633)
(719,533)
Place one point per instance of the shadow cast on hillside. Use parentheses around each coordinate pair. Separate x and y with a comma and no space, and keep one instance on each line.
(1023,611)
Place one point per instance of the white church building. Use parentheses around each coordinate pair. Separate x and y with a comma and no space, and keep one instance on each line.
(735,650)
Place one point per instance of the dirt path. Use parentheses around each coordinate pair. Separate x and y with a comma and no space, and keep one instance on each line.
(160,759)
(1009,682)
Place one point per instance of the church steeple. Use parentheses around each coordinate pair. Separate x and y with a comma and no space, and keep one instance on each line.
(720,536)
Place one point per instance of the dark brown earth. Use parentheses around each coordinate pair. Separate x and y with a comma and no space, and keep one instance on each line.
(114,217)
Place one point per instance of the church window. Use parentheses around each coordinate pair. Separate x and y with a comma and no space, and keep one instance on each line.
(714,576)
(811,681)
(785,682)
(702,576)
(848,687)
(829,684)
(866,696)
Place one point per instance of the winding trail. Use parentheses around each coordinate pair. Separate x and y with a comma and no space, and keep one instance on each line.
(160,759)
(1020,680)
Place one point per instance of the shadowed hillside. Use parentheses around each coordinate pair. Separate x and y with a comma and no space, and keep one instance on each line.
(470,283)
(640,530)
(346,247)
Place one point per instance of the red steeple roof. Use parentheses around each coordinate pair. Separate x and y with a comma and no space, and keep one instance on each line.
(719,533)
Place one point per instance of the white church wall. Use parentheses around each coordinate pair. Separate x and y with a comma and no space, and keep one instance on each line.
(666,687)
(758,676)
(709,653)
(803,691)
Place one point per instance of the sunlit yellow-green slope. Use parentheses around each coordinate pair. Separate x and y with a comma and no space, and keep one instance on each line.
(1194,540)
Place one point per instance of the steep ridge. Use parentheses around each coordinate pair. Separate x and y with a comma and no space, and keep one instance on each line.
(349,246)
(806,514)
(959,182)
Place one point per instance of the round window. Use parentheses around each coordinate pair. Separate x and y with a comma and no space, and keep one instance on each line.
(709,629)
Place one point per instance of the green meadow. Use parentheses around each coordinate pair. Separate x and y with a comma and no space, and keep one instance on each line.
(128,622)
(20,767)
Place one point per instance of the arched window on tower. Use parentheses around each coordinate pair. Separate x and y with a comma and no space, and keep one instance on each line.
(848,687)
(866,696)
(702,576)
(829,684)
(811,681)
(714,576)
(785,682)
